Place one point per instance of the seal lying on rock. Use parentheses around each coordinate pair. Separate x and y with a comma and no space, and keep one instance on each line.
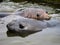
(26,24)
(33,13)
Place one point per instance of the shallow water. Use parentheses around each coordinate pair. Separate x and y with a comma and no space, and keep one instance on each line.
(48,36)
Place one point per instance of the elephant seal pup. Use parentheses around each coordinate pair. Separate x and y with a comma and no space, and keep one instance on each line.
(30,24)
(34,13)
(26,24)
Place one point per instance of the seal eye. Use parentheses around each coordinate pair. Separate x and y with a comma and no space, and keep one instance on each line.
(46,12)
(21,26)
(38,15)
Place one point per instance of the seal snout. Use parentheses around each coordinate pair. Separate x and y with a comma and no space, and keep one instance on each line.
(48,18)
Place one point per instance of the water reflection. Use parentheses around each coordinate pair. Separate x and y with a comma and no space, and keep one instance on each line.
(21,33)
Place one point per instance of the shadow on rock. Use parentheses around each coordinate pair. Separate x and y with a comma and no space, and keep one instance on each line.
(22,33)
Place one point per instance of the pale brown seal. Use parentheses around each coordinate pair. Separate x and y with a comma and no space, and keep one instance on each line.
(34,13)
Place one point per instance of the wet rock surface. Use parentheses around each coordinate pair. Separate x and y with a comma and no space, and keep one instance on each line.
(4,14)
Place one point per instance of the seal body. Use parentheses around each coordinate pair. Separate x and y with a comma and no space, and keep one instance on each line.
(34,13)
(26,24)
